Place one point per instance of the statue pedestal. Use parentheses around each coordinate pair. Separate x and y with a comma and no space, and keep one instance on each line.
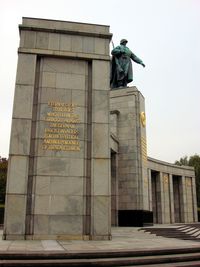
(129,127)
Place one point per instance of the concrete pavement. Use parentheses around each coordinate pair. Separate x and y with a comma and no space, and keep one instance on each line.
(123,238)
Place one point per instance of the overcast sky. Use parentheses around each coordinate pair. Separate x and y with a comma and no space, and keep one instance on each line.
(165,34)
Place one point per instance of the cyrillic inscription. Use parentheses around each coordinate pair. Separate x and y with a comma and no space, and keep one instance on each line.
(61,133)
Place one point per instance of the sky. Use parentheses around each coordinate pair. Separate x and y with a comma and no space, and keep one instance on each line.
(163,33)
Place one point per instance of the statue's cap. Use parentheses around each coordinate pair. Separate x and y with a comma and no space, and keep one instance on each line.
(123,41)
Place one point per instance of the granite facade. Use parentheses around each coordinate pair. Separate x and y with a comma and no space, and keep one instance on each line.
(174,197)
(59,169)
(144,190)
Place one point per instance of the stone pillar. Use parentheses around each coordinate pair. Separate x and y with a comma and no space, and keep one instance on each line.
(20,142)
(150,189)
(183,200)
(171,198)
(194,199)
(59,163)
(166,200)
(100,156)
(190,204)
(132,155)
(160,198)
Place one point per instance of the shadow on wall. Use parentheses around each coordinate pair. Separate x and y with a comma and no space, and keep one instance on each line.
(198,214)
(1,216)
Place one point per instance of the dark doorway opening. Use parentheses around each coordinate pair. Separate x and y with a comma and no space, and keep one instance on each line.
(177,200)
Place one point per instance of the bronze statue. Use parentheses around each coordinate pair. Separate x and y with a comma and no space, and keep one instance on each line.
(121,66)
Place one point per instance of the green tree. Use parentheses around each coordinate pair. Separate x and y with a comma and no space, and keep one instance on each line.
(3,176)
(193,161)
(182,161)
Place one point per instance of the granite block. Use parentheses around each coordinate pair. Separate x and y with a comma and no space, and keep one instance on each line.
(52,166)
(68,186)
(26,69)
(29,39)
(79,97)
(101,215)
(100,106)
(77,167)
(60,65)
(48,79)
(77,43)
(70,81)
(42,185)
(66,205)
(20,137)
(65,42)
(15,214)
(41,224)
(54,41)
(42,205)
(23,102)
(42,40)
(100,46)
(49,94)
(100,77)
(101,177)
(88,44)
(64,224)
(18,175)
(100,142)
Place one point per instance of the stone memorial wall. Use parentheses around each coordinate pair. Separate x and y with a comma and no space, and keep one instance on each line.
(59,148)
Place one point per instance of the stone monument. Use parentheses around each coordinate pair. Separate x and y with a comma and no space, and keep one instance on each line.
(78,151)
(59,164)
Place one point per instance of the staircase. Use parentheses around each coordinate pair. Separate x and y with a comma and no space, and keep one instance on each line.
(183,231)
(187,255)
(156,257)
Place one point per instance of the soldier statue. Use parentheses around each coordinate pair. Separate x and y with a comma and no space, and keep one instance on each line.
(121,66)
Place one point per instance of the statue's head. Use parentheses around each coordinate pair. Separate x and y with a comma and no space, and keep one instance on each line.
(123,41)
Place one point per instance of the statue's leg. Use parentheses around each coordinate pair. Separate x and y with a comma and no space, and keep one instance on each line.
(124,82)
(120,83)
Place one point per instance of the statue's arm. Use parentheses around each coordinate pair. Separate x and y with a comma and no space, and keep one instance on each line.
(137,59)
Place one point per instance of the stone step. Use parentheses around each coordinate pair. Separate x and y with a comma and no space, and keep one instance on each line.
(197,234)
(190,234)
(176,264)
(187,230)
(99,258)
(192,231)
(110,261)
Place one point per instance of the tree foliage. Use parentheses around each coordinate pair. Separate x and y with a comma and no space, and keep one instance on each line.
(3,177)
(182,161)
(193,161)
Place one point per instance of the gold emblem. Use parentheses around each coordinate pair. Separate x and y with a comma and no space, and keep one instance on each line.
(143,118)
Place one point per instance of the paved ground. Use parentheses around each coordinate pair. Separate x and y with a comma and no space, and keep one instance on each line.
(123,238)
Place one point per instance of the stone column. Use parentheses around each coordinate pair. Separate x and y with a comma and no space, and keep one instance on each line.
(166,200)
(160,198)
(150,189)
(194,199)
(20,141)
(100,157)
(171,198)
(183,201)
